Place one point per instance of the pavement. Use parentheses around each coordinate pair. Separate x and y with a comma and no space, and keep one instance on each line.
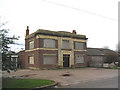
(77,76)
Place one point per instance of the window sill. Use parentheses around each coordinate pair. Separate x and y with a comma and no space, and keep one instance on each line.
(66,49)
(50,47)
(79,63)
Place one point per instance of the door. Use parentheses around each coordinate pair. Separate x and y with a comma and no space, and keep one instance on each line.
(66,60)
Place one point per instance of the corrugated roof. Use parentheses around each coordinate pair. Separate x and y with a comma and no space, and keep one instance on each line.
(56,33)
(98,51)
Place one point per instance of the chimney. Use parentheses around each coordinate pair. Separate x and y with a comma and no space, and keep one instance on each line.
(74,32)
(27,31)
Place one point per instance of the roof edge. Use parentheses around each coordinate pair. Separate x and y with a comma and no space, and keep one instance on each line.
(56,33)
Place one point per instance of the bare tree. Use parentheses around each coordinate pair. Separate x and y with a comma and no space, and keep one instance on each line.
(111,57)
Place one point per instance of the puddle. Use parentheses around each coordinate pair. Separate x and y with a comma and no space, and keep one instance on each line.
(66,74)
(27,75)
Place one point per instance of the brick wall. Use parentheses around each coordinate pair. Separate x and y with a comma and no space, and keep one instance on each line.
(27,43)
(36,58)
(85,45)
(41,43)
(85,59)
(38,54)
(22,58)
(41,52)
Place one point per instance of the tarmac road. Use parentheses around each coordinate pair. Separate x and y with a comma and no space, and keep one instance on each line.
(103,83)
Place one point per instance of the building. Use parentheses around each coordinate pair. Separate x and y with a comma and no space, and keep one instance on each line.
(49,49)
(14,57)
(97,56)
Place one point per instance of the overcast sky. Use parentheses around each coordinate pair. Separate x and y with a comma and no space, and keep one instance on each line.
(97,19)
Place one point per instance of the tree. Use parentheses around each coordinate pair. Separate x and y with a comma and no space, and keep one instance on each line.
(111,57)
(119,53)
(118,46)
(5,41)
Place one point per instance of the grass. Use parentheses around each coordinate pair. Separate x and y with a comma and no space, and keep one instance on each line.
(24,83)
(115,68)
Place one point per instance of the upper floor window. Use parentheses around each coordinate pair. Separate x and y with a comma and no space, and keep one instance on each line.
(79,45)
(65,44)
(31,59)
(49,43)
(31,44)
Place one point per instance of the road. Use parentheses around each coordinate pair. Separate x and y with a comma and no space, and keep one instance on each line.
(104,83)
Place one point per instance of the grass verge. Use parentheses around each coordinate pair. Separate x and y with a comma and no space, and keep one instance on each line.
(24,83)
(115,68)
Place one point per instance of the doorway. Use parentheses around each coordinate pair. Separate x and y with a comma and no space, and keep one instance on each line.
(66,60)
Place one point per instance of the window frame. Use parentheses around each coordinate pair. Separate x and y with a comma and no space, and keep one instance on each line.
(49,45)
(83,47)
(30,44)
(30,61)
(80,55)
(66,45)
(50,56)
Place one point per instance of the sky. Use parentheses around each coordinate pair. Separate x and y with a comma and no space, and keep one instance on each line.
(97,19)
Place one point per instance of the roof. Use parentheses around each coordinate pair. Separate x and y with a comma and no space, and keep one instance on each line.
(11,52)
(98,51)
(56,33)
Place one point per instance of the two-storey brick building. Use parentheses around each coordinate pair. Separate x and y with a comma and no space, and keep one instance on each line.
(47,49)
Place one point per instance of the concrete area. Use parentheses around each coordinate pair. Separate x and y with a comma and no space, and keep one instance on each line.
(102,83)
(76,75)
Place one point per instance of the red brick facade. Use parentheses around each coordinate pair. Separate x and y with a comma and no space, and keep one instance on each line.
(85,59)
(39,51)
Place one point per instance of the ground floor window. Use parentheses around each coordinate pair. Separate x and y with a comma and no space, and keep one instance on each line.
(79,58)
(31,59)
(49,59)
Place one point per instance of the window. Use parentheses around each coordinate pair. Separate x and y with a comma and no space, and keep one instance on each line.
(49,43)
(31,59)
(65,44)
(79,58)
(31,44)
(49,59)
(79,45)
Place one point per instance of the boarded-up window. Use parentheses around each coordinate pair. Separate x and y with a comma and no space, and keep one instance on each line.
(49,43)
(31,44)
(47,59)
(65,44)
(31,59)
(79,58)
(79,45)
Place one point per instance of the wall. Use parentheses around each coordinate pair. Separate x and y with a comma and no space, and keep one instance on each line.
(85,59)
(95,61)
(39,51)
